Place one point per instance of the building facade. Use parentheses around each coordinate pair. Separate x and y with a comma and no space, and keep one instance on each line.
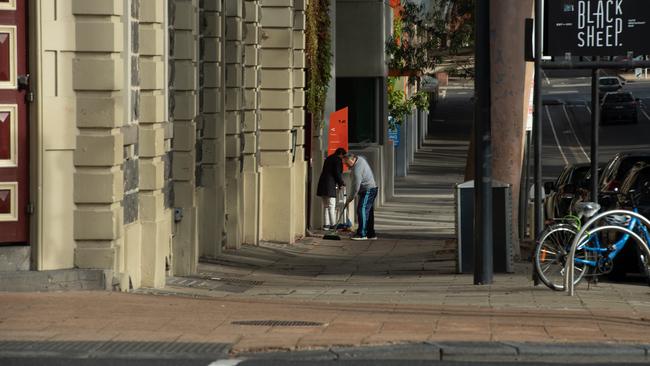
(137,136)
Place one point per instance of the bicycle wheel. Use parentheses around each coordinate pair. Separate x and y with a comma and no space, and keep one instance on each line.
(550,256)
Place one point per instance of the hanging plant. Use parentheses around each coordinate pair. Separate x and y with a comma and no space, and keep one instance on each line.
(319,58)
(399,106)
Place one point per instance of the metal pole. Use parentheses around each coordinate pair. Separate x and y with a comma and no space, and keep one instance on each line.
(595,125)
(537,126)
(523,197)
(483,262)
(526,219)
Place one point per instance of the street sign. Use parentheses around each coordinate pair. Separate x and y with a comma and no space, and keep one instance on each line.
(393,135)
(597,27)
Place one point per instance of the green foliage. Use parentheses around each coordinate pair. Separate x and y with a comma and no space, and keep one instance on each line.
(421,100)
(318,55)
(412,38)
(399,106)
(419,37)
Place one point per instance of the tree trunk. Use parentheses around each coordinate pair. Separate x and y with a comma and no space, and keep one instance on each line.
(511,85)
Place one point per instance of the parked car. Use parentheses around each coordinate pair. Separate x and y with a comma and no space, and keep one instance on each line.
(608,84)
(617,198)
(618,167)
(637,182)
(561,193)
(619,107)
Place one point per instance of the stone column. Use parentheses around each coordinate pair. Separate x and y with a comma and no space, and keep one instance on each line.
(212,220)
(278,192)
(298,74)
(319,136)
(99,86)
(234,58)
(252,81)
(131,249)
(154,217)
(185,100)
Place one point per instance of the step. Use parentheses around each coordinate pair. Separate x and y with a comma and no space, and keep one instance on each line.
(55,280)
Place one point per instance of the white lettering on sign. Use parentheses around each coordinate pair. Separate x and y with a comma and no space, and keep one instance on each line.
(602,25)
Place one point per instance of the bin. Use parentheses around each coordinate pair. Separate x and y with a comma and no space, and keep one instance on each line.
(501,227)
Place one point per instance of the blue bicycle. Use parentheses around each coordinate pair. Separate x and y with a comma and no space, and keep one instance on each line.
(595,254)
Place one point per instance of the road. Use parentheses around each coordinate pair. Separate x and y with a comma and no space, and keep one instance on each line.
(46,361)
(567,124)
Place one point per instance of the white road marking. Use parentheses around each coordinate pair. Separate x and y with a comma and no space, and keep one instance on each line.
(645,113)
(570,85)
(573,131)
(226,362)
(557,141)
(562,92)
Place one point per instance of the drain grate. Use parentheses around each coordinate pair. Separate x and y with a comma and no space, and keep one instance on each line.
(277,323)
(234,281)
(90,349)
(205,282)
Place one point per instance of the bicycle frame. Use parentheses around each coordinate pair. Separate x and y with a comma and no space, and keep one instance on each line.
(643,245)
(617,246)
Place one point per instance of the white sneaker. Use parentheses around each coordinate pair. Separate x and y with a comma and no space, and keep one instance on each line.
(358,238)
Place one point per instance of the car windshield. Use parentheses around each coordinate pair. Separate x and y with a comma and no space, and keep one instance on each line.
(580,175)
(608,81)
(619,98)
(628,163)
(635,176)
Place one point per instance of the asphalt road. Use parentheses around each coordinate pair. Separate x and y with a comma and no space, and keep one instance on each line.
(165,362)
(567,124)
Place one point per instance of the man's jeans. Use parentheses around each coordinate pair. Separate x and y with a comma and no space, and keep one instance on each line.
(366,213)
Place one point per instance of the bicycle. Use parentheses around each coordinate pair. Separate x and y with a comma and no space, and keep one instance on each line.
(594,256)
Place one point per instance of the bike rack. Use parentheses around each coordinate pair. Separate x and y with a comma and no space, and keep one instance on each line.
(569,276)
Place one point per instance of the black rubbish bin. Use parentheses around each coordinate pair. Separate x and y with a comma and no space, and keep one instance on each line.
(501,227)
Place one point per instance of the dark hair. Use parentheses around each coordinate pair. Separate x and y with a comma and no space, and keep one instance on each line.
(340,151)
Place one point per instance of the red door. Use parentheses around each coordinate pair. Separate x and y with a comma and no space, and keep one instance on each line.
(14,149)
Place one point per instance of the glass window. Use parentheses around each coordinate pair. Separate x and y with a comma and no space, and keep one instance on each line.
(360,96)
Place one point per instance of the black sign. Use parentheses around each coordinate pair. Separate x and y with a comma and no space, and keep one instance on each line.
(597,27)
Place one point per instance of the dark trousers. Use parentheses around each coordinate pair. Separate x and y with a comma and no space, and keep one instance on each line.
(366,213)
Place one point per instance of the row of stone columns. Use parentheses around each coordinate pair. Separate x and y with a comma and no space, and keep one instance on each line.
(191,131)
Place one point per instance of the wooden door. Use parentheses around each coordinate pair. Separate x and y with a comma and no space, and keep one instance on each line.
(14,149)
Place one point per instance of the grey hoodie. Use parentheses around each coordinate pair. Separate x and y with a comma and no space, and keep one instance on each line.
(362,177)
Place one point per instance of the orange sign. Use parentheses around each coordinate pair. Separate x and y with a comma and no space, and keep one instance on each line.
(338,131)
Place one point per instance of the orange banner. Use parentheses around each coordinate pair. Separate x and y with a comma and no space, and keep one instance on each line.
(338,132)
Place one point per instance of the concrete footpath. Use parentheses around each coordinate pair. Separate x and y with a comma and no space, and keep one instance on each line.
(415,308)
(398,297)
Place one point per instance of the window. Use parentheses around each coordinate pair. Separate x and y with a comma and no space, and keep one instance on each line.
(360,95)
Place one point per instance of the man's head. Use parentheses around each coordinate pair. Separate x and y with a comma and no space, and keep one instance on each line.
(340,152)
(350,159)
